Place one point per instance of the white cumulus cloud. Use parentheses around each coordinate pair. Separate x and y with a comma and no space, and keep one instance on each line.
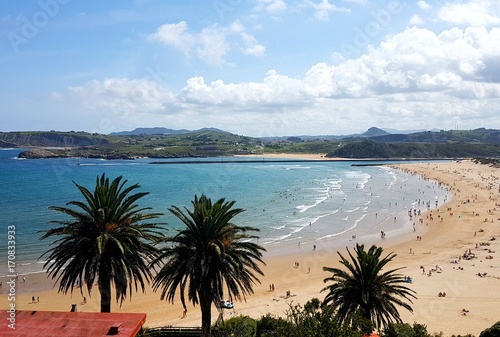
(175,35)
(472,12)
(424,5)
(416,20)
(323,9)
(271,6)
(123,95)
(211,44)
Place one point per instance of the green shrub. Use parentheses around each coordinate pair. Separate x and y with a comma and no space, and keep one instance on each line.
(494,331)
(268,326)
(406,330)
(240,326)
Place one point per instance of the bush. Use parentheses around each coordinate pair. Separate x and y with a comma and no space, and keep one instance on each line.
(240,326)
(494,331)
(406,330)
(268,326)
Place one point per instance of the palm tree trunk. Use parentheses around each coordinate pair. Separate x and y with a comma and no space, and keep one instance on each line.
(105,290)
(206,314)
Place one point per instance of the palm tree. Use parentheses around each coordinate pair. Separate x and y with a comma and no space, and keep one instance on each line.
(365,288)
(106,240)
(210,254)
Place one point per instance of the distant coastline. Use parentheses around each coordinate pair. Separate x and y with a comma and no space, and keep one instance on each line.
(210,143)
(45,153)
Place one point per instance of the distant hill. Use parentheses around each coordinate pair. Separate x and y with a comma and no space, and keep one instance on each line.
(373,131)
(477,136)
(149,131)
(368,148)
(160,131)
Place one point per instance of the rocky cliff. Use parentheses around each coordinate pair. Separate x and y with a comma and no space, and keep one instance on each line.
(50,139)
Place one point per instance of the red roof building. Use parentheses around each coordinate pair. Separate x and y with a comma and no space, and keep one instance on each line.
(75,324)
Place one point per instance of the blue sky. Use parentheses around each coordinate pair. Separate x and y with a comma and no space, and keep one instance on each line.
(254,67)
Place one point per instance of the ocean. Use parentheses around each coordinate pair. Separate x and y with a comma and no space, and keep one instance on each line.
(294,203)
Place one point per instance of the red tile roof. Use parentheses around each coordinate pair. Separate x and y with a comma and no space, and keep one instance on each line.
(75,324)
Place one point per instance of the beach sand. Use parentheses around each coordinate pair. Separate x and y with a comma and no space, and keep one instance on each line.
(470,221)
(303,156)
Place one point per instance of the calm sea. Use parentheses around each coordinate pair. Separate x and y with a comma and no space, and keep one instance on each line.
(291,203)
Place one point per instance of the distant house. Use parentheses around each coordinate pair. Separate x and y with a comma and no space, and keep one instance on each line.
(74,324)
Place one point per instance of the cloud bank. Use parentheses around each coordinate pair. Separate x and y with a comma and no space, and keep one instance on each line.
(408,76)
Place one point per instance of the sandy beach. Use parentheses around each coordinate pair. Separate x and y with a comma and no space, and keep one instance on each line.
(458,246)
(304,156)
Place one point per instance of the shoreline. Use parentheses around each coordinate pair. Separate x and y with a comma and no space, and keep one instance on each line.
(475,190)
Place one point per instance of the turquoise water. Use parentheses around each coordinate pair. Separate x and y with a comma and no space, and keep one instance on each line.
(291,203)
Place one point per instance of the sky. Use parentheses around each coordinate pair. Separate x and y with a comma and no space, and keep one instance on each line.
(251,67)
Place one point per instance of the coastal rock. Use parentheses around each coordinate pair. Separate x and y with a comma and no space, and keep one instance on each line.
(38,154)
